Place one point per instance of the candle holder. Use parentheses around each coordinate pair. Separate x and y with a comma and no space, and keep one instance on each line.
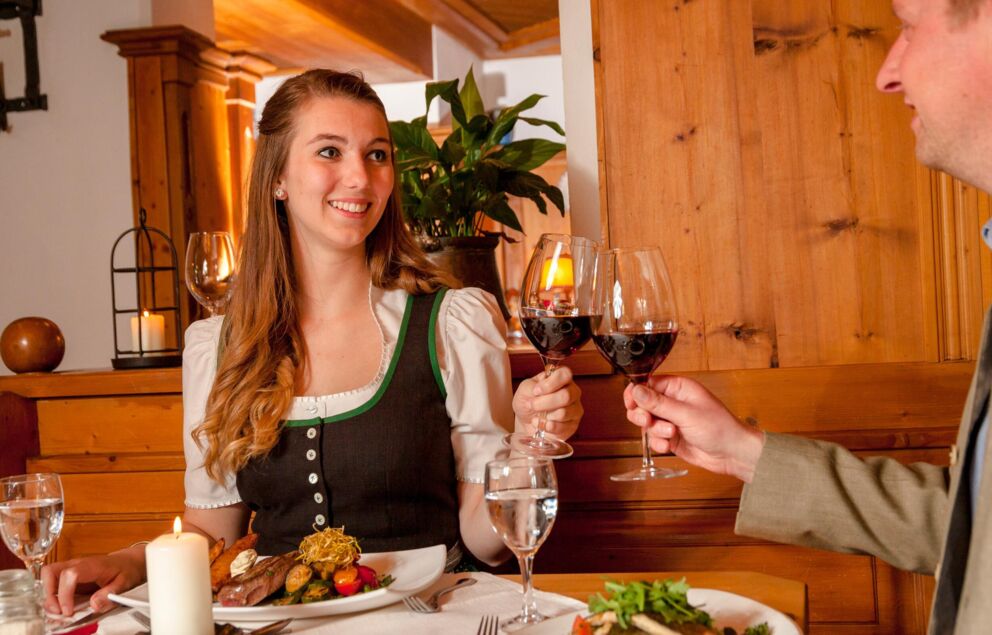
(149,322)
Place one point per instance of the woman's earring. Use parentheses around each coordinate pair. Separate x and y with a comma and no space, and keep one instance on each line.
(280,193)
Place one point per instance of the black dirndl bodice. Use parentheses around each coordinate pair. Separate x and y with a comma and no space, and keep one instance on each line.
(385,470)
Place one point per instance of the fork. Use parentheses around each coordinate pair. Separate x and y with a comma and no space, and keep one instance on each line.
(430,605)
(489,625)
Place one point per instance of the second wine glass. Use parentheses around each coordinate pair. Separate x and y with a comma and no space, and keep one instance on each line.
(637,328)
(556,311)
(210,269)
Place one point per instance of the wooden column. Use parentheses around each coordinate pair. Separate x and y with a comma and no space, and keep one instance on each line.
(186,166)
(244,70)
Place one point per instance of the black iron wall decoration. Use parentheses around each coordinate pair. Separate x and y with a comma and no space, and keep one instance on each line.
(25,11)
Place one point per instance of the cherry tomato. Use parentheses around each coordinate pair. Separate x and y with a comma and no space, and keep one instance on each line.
(367,576)
(581,627)
(346,581)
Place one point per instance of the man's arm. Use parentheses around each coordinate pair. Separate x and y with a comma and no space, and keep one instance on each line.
(818,494)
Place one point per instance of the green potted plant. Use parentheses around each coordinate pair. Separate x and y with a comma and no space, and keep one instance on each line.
(449,190)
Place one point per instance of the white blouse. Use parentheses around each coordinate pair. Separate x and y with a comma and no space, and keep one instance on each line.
(475,369)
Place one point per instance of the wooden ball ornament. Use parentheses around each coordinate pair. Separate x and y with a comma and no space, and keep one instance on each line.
(32,344)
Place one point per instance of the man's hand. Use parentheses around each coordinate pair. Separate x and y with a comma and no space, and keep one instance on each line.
(685,419)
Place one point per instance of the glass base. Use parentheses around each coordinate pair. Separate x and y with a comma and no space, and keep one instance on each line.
(521,622)
(547,447)
(648,474)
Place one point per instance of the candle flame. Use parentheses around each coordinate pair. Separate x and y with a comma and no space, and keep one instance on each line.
(145,313)
(177,526)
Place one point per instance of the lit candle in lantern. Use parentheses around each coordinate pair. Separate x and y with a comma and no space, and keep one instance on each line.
(179,592)
(152,331)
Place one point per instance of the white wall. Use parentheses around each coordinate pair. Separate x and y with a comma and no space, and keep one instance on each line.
(65,175)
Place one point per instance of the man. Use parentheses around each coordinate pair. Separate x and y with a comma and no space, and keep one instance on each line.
(920,517)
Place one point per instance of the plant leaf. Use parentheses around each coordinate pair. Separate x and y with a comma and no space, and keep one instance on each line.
(448,92)
(470,97)
(498,209)
(544,122)
(452,152)
(412,139)
(508,118)
(528,153)
(520,183)
(555,196)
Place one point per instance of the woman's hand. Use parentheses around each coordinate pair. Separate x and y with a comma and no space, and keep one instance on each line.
(113,573)
(557,395)
(684,418)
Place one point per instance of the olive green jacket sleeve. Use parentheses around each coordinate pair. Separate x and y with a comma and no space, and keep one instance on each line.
(818,494)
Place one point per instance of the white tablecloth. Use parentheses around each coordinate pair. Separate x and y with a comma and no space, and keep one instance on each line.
(460,613)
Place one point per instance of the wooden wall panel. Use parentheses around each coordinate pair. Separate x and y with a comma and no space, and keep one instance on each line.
(750,144)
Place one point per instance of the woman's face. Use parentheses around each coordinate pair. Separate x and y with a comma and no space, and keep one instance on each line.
(338,174)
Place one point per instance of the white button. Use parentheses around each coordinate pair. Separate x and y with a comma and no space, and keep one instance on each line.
(319,519)
(318,497)
(311,433)
(312,478)
(311,455)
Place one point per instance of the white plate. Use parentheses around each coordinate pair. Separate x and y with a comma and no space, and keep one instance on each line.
(726,609)
(413,570)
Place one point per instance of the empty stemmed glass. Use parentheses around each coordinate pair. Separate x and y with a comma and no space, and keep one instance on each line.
(556,308)
(522,499)
(636,328)
(210,269)
(31,513)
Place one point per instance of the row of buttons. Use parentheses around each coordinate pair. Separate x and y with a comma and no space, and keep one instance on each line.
(314,478)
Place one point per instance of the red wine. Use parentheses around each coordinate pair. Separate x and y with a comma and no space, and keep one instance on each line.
(557,337)
(636,354)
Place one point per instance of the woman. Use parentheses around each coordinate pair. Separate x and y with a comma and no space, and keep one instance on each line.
(344,386)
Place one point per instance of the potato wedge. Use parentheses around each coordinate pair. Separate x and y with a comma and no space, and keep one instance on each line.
(216,549)
(220,569)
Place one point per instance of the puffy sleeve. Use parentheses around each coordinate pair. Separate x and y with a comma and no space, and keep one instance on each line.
(199,367)
(475,369)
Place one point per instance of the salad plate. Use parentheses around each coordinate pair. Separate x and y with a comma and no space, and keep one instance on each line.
(412,570)
(726,609)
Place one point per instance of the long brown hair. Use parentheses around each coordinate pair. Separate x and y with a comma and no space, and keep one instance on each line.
(262,349)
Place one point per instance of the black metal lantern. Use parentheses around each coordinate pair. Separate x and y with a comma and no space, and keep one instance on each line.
(149,348)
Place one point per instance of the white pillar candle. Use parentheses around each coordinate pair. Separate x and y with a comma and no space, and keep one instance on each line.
(179,583)
(152,331)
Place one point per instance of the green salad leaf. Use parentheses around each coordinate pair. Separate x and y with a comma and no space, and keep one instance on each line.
(760,629)
(667,598)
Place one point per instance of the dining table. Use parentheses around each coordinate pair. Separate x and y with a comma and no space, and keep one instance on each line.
(557,594)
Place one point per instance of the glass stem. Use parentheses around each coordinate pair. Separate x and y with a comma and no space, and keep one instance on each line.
(542,417)
(647,462)
(34,566)
(529,612)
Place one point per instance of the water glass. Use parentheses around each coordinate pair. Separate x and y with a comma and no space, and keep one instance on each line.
(522,499)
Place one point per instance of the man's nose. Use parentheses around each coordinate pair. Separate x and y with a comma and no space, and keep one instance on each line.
(888,78)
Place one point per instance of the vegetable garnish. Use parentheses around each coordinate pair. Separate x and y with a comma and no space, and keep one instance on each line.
(330,546)
(667,598)
(760,629)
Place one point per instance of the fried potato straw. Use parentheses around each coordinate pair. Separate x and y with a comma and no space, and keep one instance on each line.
(330,546)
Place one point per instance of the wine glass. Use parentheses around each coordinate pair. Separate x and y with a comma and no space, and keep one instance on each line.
(31,513)
(556,308)
(522,499)
(636,328)
(210,269)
